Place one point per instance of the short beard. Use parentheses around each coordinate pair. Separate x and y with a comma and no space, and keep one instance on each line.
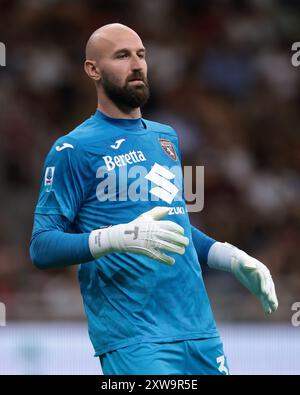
(126,97)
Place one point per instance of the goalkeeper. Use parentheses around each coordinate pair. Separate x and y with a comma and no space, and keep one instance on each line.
(139,259)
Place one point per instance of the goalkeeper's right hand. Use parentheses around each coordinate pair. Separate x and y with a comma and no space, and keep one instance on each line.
(145,235)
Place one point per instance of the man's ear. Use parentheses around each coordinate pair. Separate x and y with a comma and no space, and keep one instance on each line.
(92,70)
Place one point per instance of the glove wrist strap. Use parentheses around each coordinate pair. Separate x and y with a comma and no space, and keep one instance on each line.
(100,243)
(220,256)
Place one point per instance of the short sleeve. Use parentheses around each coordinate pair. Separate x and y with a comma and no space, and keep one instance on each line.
(64,184)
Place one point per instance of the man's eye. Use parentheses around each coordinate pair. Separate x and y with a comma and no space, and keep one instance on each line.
(122,56)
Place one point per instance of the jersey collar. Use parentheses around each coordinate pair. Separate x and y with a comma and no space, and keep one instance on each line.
(128,124)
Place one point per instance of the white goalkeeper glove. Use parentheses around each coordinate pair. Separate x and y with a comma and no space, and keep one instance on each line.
(253,274)
(145,235)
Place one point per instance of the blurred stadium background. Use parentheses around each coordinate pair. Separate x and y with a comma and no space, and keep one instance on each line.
(221,74)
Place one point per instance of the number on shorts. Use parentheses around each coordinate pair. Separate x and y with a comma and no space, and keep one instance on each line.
(222,368)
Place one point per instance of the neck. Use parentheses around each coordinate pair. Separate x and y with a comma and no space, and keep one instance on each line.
(107,107)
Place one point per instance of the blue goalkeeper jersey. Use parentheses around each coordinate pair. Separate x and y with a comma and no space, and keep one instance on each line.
(108,171)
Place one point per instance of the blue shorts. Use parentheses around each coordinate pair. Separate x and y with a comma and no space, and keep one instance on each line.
(200,356)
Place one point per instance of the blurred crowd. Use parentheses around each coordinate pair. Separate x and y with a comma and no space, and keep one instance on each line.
(220,73)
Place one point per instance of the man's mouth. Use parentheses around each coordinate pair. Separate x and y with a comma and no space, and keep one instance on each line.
(137,82)
(136,79)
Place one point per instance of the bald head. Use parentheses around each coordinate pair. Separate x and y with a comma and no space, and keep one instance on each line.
(107,38)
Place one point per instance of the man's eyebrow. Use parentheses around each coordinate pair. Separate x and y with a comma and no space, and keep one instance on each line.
(128,50)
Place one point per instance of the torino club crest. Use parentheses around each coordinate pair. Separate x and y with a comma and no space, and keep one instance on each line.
(168,147)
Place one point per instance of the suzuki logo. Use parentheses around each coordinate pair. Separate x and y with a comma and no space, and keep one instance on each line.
(161,177)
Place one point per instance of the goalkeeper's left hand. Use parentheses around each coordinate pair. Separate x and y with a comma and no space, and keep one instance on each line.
(252,273)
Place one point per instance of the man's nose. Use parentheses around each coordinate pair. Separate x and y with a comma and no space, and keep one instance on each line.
(136,63)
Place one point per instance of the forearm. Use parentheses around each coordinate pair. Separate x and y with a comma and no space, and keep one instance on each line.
(212,253)
(54,249)
(202,244)
(52,246)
